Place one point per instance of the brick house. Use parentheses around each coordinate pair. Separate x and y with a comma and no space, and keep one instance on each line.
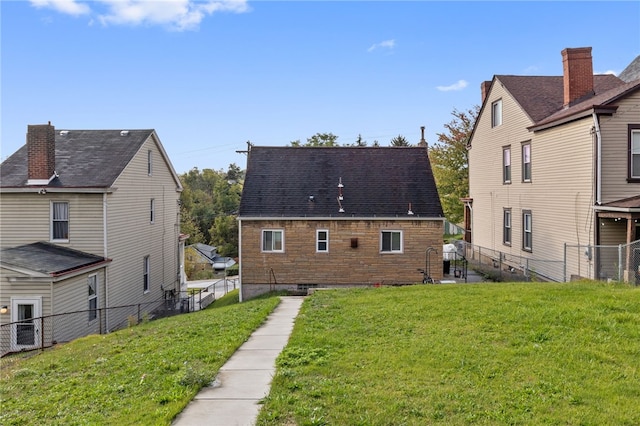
(337,216)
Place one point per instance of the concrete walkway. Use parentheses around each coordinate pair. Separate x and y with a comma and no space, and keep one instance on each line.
(233,399)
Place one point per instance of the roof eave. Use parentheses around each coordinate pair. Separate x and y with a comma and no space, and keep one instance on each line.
(578,115)
(342,217)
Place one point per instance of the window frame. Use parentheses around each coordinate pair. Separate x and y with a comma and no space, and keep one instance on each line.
(273,248)
(149,163)
(527,230)
(55,221)
(506,164)
(526,146)
(507,226)
(391,249)
(146,275)
(496,113)
(152,210)
(92,298)
(320,241)
(631,130)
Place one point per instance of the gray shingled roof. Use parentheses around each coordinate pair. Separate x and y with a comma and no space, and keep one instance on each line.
(378,181)
(84,158)
(632,71)
(48,258)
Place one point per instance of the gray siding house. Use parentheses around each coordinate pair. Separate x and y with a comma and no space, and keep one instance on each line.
(89,219)
(555,160)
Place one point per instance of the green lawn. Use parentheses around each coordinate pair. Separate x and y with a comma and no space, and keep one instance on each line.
(143,375)
(529,353)
(526,353)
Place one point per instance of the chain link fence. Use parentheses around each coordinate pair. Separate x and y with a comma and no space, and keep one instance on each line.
(603,262)
(43,332)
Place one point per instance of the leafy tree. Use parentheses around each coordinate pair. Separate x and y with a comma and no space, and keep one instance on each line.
(450,162)
(319,139)
(400,141)
(209,202)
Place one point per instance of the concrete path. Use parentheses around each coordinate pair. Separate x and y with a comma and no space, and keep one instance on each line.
(233,399)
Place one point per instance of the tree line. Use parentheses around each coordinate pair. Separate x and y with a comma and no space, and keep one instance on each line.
(211,198)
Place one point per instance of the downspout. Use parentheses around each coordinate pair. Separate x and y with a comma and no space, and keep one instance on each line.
(240,258)
(596,125)
(106,255)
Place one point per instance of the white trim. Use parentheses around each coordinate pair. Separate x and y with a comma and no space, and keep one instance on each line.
(262,231)
(392,251)
(326,241)
(36,301)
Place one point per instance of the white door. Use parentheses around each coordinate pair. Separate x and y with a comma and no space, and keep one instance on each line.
(25,316)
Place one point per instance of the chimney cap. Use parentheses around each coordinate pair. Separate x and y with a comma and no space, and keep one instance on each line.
(124,132)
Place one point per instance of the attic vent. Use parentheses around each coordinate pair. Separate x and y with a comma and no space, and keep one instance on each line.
(64,132)
(124,132)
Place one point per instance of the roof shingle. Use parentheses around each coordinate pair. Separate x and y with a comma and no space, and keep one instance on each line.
(303,182)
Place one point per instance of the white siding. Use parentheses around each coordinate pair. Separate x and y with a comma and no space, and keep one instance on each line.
(615,150)
(559,196)
(131,236)
(25,218)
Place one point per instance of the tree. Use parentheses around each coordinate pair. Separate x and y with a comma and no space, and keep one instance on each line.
(209,202)
(400,141)
(319,139)
(450,162)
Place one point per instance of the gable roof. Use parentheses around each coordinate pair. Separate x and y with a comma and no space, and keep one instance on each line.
(46,259)
(542,96)
(83,158)
(300,182)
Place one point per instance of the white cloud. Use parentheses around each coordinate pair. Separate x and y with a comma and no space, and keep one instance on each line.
(177,15)
(70,7)
(461,84)
(387,44)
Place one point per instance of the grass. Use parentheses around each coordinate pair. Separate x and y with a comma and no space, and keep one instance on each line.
(141,375)
(514,353)
(522,353)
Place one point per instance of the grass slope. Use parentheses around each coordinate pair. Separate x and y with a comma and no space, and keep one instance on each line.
(530,353)
(141,375)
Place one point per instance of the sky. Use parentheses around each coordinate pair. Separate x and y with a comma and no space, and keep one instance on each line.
(209,76)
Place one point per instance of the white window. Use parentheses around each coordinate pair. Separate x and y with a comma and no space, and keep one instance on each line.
(322,241)
(149,162)
(59,221)
(92,284)
(152,206)
(391,241)
(506,234)
(634,151)
(146,275)
(273,240)
(526,162)
(496,113)
(506,164)
(527,230)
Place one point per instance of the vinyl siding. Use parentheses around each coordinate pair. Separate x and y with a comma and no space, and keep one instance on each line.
(22,289)
(559,196)
(26,218)
(615,150)
(131,236)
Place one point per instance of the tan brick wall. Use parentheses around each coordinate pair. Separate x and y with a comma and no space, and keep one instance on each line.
(342,265)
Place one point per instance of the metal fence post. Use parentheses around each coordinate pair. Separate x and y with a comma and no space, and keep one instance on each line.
(620,275)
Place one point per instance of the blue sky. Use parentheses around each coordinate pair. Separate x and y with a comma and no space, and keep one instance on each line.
(209,76)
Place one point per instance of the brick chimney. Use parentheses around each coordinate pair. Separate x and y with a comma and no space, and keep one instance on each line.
(578,74)
(41,153)
(484,87)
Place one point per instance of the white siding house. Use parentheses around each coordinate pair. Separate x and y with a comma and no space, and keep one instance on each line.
(106,194)
(556,167)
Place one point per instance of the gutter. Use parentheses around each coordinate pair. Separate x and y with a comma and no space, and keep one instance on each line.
(596,124)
